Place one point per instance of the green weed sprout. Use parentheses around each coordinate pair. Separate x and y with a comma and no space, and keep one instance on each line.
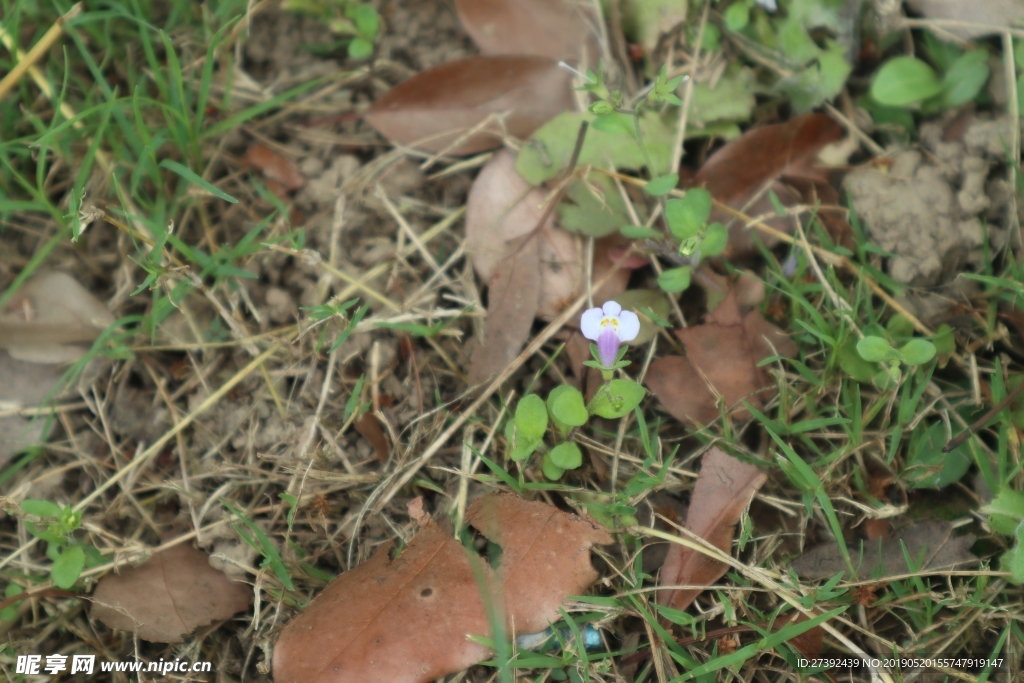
(879,350)
(358,21)
(565,408)
(1006,516)
(57,526)
(687,218)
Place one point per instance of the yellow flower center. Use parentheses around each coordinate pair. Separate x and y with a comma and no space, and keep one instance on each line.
(614,322)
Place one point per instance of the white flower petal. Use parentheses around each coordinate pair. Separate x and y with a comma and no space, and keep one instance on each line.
(612,308)
(629,326)
(590,323)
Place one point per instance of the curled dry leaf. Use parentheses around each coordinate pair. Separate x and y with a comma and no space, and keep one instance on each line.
(722,355)
(724,488)
(931,546)
(49,317)
(502,212)
(780,157)
(168,596)
(513,298)
(275,166)
(370,428)
(435,108)
(405,620)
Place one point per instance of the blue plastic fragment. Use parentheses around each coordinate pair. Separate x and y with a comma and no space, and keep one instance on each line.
(534,641)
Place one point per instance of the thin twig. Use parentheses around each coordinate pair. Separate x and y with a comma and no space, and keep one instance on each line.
(980,422)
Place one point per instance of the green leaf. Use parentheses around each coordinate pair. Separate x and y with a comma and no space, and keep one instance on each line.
(875,349)
(566,455)
(1013,560)
(715,240)
(619,398)
(661,186)
(903,81)
(737,16)
(917,351)
(523,450)
(593,208)
(928,466)
(10,613)
(1008,503)
(531,418)
(965,78)
(614,123)
(41,508)
(688,215)
(365,18)
(550,469)
(567,406)
(549,149)
(675,280)
(640,232)
(852,364)
(68,567)
(360,48)
(188,175)
(732,99)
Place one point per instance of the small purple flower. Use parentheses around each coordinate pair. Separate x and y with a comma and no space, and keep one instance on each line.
(609,326)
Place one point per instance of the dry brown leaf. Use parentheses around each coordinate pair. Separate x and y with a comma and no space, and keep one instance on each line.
(725,485)
(370,428)
(275,166)
(722,353)
(781,156)
(931,545)
(23,385)
(502,207)
(405,620)
(557,29)
(435,108)
(545,555)
(48,315)
(168,596)
(512,302)
(978,17)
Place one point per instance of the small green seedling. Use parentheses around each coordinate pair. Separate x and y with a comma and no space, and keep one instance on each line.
(57,525)
(879,350)
(565,408)
(357,21)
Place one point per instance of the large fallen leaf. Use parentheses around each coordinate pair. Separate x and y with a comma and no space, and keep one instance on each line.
(724,488)
(976,18)
(405,620)
(168,596)
(435,108)
(49,319)
(513,299)
(781,157)
(722,354)
(557,29)
(931,546)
